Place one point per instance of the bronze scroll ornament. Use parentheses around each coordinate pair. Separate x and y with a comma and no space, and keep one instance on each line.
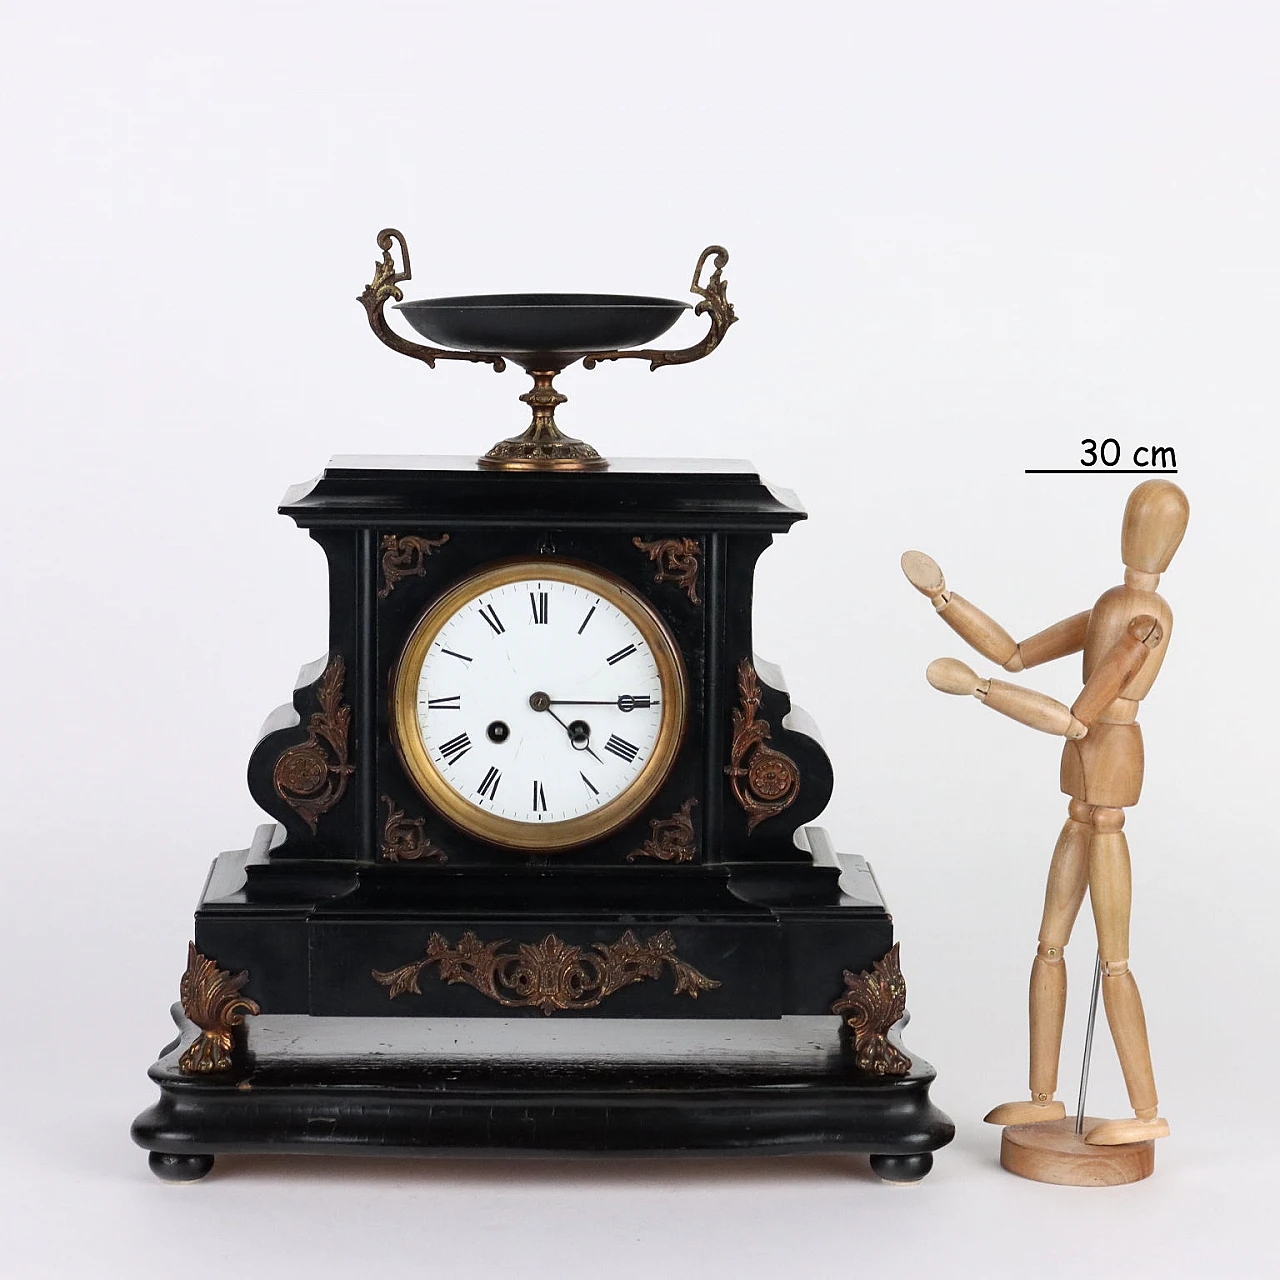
(677,560)
(714,304)
(872,1002)
(404,839)
(405,558)
(211,999)
(550,974)
(385,286)
(764,781)
(312,776)
(670,839)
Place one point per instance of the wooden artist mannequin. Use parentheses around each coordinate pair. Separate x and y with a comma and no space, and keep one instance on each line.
(1124,638)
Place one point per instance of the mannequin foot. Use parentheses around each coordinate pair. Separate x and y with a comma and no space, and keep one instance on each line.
(1115,1133)
(1025,1113)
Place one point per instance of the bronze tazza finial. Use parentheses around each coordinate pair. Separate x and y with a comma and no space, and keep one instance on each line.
(544,334)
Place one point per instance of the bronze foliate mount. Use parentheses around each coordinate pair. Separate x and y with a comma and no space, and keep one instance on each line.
(405,557)
(670,839)
(212,999)
(549,975)
(764,781)
(311,777)
(677,561)
(405,839)
(873,1001)
(544,334)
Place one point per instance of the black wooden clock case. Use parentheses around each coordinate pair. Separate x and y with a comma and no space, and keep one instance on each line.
(333,905)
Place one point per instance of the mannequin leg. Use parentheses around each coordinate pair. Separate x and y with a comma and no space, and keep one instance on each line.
(1110,891)
(1068,878)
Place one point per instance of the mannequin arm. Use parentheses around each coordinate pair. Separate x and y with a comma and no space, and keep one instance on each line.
(1028,707)
(986,635)
(1056,641)
(973,626)
(1118,666)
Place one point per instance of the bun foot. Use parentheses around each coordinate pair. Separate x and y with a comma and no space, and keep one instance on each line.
(902,1170)
(1025,1113)
(170,1168)
(1116,1133)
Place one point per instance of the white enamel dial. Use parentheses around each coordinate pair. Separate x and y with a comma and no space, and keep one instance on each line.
(539,704)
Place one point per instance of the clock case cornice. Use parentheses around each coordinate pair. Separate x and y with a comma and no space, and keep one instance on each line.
(693,495)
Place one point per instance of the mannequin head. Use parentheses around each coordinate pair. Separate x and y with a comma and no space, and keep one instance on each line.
(1155,518)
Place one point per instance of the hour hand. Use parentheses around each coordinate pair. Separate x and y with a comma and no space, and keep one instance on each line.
(579,735)
(578,739)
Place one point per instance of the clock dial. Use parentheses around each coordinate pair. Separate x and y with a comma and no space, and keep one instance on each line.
(539,704)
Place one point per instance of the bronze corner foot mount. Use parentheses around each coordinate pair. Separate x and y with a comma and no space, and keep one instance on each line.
(873,1001)
(211,999)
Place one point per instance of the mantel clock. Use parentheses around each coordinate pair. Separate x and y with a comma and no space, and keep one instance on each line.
(537,778)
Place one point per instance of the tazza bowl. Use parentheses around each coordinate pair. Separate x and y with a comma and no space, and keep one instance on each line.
(570,324)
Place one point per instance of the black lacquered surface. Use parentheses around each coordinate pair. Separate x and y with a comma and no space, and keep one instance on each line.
(779,1089)
(565,323)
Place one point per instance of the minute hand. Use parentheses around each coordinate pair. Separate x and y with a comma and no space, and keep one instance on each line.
(624,702)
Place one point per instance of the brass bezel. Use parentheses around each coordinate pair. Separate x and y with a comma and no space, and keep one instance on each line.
(570,833)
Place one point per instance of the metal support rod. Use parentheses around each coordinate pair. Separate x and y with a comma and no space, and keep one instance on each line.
(1088,1044)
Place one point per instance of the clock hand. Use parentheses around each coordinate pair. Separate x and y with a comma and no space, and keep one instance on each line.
(580,742)
(624,702)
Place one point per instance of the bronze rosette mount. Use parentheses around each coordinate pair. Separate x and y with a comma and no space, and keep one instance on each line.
(543,334)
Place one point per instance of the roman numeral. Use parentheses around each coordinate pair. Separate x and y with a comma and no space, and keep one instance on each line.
(591,786)
(539,798)
(630,702)
(455,748)
(451,654)
(490,615)
(587,619)
(489,787)
(539,603)
(622,653)
(452,703)
(621,748)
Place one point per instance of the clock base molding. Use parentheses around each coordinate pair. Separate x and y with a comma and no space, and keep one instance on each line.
(464,1088)
(583,1024)
(711,941)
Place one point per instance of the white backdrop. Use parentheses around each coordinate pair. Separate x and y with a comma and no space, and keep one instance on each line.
(963,238)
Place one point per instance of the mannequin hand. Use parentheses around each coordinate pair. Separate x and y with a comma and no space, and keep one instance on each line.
(923,573)
(950,675)
(1027,706)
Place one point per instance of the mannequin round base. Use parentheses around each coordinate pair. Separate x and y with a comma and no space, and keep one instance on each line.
(1052,1152)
